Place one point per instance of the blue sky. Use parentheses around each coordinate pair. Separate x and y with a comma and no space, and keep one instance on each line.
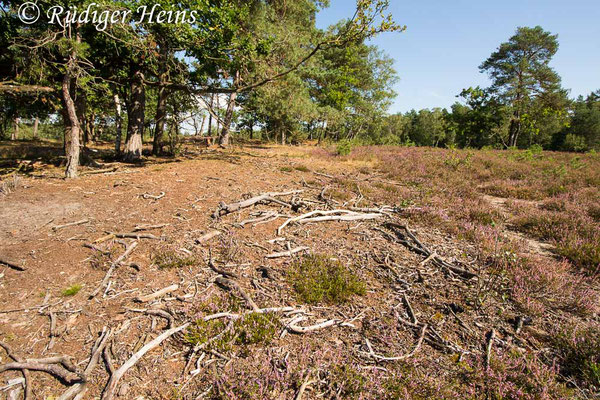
(446,40)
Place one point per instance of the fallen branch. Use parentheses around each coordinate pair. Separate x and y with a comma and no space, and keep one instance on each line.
(147,227)
(225,209)
(138,236)
(218,270)
(12,265)
(488,350)
(293,326)
(329,215)
(150,196)
(113,266)
(231,285)
(26,377)
(111,386)
(399,358)
(287,253)
(83,221)
(405,237)
(100,171)
(156,312)
(54,367)
(155,295)
(208,236)
(77,391)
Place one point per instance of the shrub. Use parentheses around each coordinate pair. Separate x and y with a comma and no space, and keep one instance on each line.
(319,278)
(344,147)
(302,168)
(167,259)
(579,348)
(72,290)
(250,329)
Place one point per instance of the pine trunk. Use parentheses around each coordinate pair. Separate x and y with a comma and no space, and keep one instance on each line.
(72,129)
(118,124)
(135,120)
(36,124)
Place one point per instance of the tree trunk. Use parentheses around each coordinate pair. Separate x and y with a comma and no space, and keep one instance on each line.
(161,114)
(118,124)
(224,136)
(210,115)
(135,120)
(514,129)
(36,124)
(283,137)
(15,133)
(201,126)
(72,129)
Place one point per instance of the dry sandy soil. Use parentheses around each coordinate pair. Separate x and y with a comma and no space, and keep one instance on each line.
(364,328)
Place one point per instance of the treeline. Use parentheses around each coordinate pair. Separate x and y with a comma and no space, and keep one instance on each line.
(255,66)
(482,122)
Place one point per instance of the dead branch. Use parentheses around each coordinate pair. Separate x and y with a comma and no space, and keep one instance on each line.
(328,215)
(225,209)
(287,253)
(293,326)
(208,236)
(405,237)
(91,246)
(53,333)
(259,311)
(12,265)
(54,366)
(399,358)
(77,391)
(100,171)
(233,285)
(146,227)
(83,221)
(159,313)
(25,372)
(155,295)
(147,196)
(137,236)
(113,266)
(488,350)
(218,270)
(111,386)
(267,216)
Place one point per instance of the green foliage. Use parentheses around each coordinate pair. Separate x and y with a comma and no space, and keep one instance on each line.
(347,381)
(344,147)
(250,329)
(318,278)
(580,352)
(71,290)
(168,259)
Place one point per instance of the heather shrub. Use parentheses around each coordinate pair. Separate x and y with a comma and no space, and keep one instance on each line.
(320,279)
(579,349)
(514,376)
(168,259)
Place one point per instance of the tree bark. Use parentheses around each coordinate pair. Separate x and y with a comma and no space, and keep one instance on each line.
(224,136)
(118,124)
(36,124)
(72,129)
(135,123)
(161,114)
(15,133)
(210,115)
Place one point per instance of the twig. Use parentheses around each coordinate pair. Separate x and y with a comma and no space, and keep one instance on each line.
(111,386)
(146,227)
(155,295)
(287,253)
(150,196)
(113,266)
(293,326)
(26,376)
(399,358)
(207,236)
(229,284)
(78,390)
(488,350)
(12,265)
(225,209)
(83,221)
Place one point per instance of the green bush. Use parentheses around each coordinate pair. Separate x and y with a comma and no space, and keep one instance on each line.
(321,279)
(344,147)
